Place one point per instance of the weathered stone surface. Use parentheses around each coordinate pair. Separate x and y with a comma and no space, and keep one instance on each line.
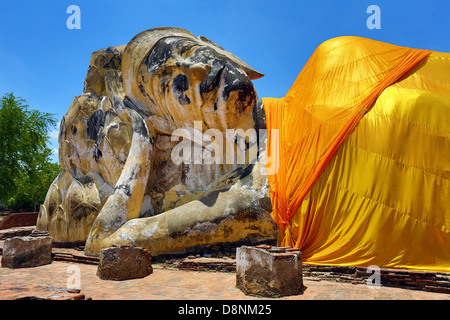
(264,273)
(15,232)
(39,233)
(124,262)
(118,179)
(28,251)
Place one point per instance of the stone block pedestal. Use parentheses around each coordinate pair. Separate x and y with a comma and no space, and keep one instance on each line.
(269,271)
(29,251)
(124,262)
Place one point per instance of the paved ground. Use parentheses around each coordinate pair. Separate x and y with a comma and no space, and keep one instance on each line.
(166,284)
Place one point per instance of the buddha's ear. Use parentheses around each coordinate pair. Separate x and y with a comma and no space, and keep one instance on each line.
(251,73)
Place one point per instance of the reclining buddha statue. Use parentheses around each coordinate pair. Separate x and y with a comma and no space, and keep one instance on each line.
(170,148)
(119,183)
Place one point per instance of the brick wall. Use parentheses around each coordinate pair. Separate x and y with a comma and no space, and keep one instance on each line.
(19,219)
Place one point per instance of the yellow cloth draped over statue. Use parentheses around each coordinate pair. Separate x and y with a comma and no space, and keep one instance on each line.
(364,157)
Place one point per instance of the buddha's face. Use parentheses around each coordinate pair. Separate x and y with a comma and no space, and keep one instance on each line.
(184,80)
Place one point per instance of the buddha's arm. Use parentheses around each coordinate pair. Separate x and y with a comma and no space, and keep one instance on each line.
(227,213)
(125,203)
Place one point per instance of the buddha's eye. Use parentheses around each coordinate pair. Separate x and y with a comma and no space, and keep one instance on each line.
(179,86)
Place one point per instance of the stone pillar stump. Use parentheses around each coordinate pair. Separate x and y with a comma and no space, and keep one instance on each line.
(28,251)
(269,271)
(123,262)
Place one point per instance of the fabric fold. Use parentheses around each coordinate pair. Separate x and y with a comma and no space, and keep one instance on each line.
(339,85)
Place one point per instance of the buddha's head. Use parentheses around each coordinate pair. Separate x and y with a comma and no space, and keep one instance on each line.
(170,73)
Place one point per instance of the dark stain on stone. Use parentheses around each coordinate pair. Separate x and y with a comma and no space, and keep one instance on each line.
(227,231)
(184,171)
(179,86)
(213,78)
(247,215)
(145,94)
(161,51)
(95,125)
(210,198)
(140,128)
(131,105)
(125,187)
(81,212)
(97,154)
(246,97)
(84,180)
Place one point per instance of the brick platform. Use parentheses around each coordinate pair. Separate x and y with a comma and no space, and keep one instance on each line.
(165,284)
(395,278)
(75,255)
(408,279)
(206,264)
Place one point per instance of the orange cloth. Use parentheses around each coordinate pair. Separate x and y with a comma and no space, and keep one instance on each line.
(338,85)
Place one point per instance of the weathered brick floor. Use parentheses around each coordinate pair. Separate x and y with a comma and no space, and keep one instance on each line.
(168,284)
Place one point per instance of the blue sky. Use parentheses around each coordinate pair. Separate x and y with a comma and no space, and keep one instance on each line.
(45,63)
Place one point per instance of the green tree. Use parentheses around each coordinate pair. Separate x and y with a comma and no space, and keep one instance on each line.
(26,170)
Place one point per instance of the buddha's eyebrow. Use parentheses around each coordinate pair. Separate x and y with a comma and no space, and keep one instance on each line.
(164,49)
(160,53)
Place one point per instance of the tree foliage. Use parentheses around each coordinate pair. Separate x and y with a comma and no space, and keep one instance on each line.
(26,171)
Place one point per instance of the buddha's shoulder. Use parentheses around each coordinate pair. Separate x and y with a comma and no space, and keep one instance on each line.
(345,44)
